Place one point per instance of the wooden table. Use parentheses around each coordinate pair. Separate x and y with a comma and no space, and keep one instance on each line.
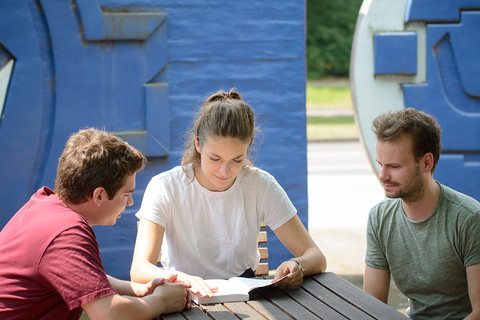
(323,296)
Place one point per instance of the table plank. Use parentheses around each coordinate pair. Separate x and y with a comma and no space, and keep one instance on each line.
(171,316)
(195,313)
(218,311)
(265,307)
(369,304)
(332,300)
(286,303)
(313,304)
(244,311)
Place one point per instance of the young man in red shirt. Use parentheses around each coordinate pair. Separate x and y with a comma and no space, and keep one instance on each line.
(50,265)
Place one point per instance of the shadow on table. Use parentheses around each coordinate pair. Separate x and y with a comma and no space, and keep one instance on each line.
(395,298)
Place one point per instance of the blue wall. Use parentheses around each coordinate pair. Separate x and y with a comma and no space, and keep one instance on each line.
(141,69)
(452,88)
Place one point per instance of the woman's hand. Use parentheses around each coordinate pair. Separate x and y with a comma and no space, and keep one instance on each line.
(308,256)
(294,272)
(196,284)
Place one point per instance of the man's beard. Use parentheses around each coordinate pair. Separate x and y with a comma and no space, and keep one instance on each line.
(412,190)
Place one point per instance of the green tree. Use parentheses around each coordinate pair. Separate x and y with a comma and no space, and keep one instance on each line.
(330,29)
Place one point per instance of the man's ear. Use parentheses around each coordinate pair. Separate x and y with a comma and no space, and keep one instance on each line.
(427,162)
(99,196)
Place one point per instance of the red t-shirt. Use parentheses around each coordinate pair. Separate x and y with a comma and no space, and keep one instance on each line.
(49,262)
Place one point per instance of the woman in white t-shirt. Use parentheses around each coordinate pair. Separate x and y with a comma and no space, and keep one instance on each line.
(205,215)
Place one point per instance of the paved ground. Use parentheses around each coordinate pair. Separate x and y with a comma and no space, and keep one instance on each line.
(330,82)
(342,187)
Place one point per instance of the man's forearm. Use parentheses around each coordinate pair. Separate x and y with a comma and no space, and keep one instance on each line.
(121,287)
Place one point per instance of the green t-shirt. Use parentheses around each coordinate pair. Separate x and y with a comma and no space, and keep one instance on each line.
(427,259)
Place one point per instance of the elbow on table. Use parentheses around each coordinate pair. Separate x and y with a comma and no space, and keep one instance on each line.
(322,265)
(317,265)
(136,273)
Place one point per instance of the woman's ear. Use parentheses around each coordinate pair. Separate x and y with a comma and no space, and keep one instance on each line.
(197,146)
(99,196)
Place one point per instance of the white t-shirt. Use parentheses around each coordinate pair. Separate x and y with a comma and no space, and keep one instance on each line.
(214,234)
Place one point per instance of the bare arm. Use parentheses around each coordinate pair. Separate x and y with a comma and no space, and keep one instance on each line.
(166,298)
(376,282)
(308,257)
(473,281)
(145,256)
(147,250)
(135,289)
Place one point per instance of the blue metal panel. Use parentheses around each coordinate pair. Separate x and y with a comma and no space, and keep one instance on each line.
(466,46)
(438,10)
(116,65)
(451,93)
(112,73)
(118,23)
(395,53)
(460,173)
(445,94)
(26,125)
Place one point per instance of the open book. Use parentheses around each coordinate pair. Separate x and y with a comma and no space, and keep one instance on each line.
(234,289)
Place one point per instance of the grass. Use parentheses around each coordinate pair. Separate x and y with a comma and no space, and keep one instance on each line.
(331,128)
(334,127)
(328,97)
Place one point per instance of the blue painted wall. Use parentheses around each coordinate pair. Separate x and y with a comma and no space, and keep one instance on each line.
(452,89)
(141,69)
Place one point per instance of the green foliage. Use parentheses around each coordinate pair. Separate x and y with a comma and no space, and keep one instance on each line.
(330,29)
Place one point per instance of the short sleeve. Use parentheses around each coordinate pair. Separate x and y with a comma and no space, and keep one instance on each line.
(155,203)
(471,233)
(374,256)
(71,266)
(277,208)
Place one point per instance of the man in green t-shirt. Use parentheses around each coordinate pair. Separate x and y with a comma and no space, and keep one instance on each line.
(424,234)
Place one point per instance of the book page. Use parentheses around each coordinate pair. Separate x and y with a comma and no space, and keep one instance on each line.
(229,286)
(228,291)
(248,284)
(233,289)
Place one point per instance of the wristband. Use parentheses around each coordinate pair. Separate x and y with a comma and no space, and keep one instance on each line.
(298,264)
